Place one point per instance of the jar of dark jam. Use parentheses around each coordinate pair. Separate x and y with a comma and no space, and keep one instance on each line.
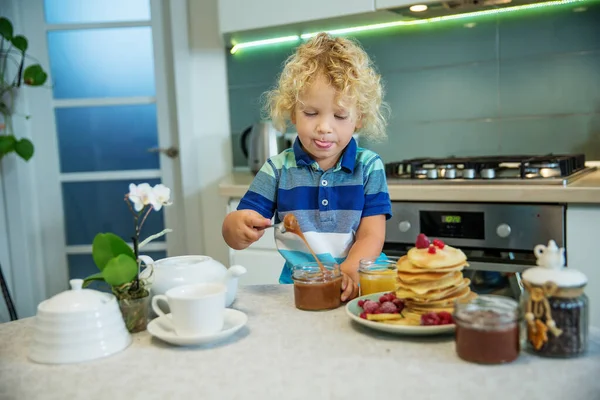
(316,290)
(487,329)
(555,306)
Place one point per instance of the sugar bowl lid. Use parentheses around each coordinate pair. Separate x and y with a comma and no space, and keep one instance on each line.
(75,300)
(551,268)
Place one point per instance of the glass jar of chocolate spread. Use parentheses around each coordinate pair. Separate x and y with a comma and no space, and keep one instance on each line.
(315,290)
(377,275)
(487,329)
(555,306)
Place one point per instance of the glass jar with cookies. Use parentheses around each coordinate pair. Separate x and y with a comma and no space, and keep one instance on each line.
(555,305)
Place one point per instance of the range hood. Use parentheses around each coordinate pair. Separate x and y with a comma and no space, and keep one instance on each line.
(391,18)
(455,7)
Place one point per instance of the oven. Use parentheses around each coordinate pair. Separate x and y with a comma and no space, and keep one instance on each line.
(498,239)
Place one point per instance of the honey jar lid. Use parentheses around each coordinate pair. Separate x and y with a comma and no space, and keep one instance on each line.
(551,268)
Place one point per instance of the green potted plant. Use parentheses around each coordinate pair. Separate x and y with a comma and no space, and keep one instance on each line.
(13,74)
(128,273)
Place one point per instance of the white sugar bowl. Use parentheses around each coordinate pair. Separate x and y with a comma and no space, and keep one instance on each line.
(78,325)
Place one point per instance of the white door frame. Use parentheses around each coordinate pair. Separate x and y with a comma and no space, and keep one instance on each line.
(24,234)
(33,190)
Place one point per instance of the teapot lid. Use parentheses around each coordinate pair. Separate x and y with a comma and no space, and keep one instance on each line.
(76,299)
(551,267)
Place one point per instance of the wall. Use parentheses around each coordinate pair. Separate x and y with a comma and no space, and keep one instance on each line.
(22,263)
(521,83)
(202,122)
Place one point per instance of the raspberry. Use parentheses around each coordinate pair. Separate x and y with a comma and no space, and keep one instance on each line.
(432,250)
(388,307)
(438,243)
(385,297)
(399,303)
(445,318)
(392,295)
(370,306)
(361,303)
(363,315)
(422,241)
(430,318)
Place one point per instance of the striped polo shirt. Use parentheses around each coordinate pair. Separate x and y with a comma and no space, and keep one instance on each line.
(327,204)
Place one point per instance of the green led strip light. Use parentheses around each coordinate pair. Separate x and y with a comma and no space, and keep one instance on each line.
(295,38)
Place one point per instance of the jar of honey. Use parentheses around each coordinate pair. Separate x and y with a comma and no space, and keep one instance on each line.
(377,275)
(488,329)
(315,289)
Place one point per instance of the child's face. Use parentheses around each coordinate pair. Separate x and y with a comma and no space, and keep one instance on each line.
(324,128)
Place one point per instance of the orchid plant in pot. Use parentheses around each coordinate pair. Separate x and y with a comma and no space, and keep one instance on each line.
(122,267)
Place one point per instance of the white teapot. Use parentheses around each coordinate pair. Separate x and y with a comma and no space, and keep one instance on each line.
(183,270)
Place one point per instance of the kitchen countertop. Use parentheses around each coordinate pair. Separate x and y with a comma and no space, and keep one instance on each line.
(284,353)
(584,190)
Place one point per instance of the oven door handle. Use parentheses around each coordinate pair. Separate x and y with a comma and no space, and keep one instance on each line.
(497,267)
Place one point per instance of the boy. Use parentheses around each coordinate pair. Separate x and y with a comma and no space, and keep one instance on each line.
(337,191)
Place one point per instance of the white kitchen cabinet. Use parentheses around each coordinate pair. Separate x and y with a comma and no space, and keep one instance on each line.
(583,239)
(387,4)
(242,15)
(261,258)
(264,266)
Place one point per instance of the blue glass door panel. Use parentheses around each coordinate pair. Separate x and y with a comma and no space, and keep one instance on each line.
(95,207)
(115,62)
(108,138)
(86,11)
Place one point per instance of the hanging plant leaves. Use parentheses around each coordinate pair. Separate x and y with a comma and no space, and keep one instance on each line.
(7,144)
(34,75)
(107,246)
(120,270)
(6,29)
(24,148)
(20,42)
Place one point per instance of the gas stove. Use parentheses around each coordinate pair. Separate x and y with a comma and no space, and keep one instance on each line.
(551,169)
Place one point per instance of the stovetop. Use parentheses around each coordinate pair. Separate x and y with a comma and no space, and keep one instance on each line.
(551,169)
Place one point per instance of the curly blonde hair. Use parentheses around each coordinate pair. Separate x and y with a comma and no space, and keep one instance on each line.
(348,69)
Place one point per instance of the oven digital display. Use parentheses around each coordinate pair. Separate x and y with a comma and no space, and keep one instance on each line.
(459,225)
(451,219)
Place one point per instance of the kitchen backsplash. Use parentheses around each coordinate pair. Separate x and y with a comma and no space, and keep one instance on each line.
(527,83)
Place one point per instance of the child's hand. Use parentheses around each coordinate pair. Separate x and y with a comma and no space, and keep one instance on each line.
(349,287)
(244,227)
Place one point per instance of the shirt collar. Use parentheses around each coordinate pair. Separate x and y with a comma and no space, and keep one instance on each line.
(347,161)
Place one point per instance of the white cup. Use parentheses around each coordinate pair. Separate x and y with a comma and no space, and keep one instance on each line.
(197,309)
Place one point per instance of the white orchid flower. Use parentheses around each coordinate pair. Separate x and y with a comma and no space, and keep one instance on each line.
(161,196)
(140,195)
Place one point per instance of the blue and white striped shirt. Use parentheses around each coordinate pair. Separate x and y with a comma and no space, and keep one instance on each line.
(327,204)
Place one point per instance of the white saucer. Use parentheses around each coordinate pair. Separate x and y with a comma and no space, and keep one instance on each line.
(234,320)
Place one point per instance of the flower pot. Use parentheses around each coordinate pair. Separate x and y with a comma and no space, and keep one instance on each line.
(135,313)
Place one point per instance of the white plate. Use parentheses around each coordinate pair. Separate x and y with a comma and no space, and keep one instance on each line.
(234,320)
(353,311)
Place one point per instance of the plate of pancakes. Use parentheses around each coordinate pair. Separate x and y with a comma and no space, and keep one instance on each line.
(429,281)
(409,325)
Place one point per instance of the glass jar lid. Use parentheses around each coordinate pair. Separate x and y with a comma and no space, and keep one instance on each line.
(312,273)
(378,265)
(551,268)
(487,310)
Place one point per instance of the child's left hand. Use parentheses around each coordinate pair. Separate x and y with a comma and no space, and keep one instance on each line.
(349,287)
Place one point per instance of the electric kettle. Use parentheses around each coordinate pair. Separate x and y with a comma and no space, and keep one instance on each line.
(259,142)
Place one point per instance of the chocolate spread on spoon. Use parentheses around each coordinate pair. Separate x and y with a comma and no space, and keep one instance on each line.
(290,223)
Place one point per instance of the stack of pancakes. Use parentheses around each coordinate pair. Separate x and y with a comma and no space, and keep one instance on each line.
(432,282)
